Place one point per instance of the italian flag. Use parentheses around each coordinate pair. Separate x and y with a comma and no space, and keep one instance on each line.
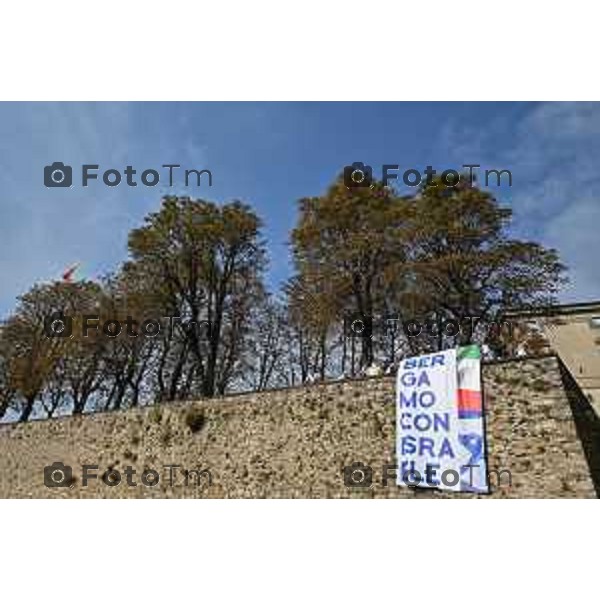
(468,366)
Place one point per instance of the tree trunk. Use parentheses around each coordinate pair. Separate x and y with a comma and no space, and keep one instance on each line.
(27,410)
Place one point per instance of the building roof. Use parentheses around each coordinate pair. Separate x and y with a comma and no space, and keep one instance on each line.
(553,310)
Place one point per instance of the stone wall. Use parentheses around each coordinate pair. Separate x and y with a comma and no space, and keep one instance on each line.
(294,443)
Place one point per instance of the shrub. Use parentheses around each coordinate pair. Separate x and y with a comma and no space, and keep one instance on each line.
(166,434)
(155,415)
(539,385)
(195,419)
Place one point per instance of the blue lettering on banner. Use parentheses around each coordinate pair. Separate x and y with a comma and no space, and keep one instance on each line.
(426,432)
(421,446)
(424,399)
(409,379)
(424,361)
(446,449)
(425,421)
(426,437)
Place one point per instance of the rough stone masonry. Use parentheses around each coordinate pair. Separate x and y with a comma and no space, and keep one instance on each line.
(295,443)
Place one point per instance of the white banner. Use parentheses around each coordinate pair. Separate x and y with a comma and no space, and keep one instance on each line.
(439,422)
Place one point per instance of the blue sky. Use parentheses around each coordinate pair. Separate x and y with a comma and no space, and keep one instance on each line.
(271,154)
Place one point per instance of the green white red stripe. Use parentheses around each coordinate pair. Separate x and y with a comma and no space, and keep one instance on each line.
(469,382)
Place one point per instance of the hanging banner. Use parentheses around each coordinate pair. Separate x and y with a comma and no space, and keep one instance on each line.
(439,421)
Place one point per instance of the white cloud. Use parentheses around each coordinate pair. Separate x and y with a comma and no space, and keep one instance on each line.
(552,151)
(576,231)
(44,230)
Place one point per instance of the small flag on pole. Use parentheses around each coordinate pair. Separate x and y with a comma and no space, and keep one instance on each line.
(67,276)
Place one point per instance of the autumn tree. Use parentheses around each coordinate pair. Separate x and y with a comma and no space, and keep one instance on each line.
(348,248)
(35,359)
(128,358)
(464,264)
(442,253)
(197,268)
(204,264)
